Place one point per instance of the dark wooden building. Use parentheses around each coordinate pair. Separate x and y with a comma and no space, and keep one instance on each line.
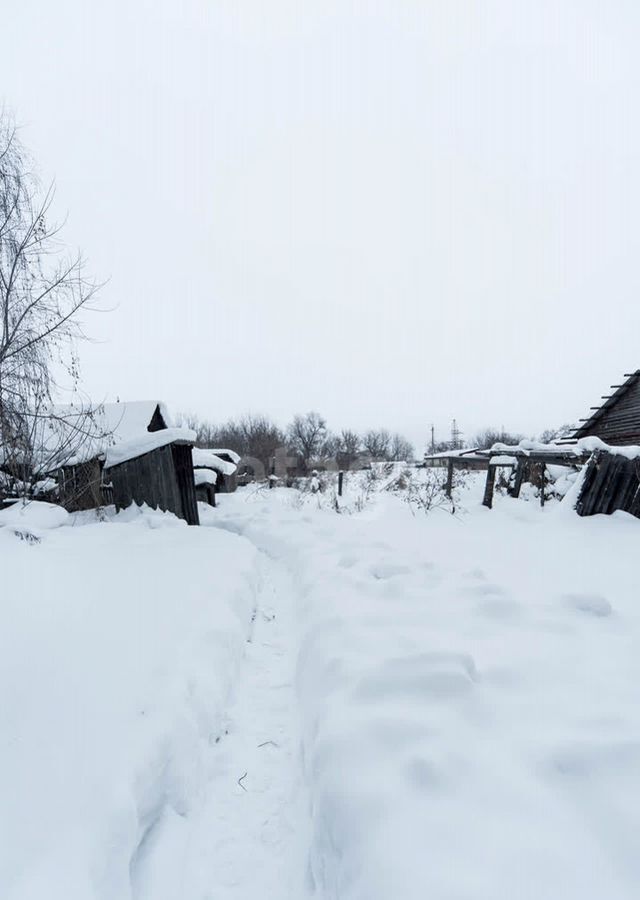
(156,470)
(205,481)
(81,484)
(617,420)
(223,462)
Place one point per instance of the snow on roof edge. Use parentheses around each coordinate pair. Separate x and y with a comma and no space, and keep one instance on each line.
(232,453)
(204,476)
(145,443)
(207,459)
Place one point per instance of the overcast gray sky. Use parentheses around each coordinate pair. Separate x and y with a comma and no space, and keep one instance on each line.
(393,212)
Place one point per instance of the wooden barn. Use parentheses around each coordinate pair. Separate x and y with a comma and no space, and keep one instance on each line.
(616,421)
(155,469)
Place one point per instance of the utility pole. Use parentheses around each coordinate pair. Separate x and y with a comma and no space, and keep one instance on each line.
(433,439)
(456,436)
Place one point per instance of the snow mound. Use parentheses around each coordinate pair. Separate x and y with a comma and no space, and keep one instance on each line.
(118,650)
(33,516)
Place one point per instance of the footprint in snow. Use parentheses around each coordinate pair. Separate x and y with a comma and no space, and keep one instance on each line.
(593,758)
(384,570)
(436,676)
(486,589)
(590,604)
(495,607)
(475,575)
(347,562)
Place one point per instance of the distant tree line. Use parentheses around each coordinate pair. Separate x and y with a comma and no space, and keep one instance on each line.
(488,436)
(307,441)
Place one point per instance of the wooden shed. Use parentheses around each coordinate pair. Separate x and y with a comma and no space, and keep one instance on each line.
(83,444)
(155,469)
(616,421)
(205,481)
(223,462)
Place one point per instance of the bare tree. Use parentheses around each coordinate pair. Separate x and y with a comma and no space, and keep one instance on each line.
(253,436)
(42,293)
(377,443)
(557,434)
(348,448)
(400,450)
(490,436)
(307,435)
(262,438)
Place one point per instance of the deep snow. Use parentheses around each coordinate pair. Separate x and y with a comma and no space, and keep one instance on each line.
(468,689)
(424,705)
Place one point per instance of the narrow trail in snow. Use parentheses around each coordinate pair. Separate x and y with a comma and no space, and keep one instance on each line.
(245,840)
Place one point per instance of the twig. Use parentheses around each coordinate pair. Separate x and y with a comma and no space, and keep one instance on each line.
(265,743)
(240,780)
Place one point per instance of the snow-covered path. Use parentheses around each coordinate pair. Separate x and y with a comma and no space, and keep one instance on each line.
(466,688)
(128,720)
(248,838)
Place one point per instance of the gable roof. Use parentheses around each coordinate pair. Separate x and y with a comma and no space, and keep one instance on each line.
(125,421)
(77,433)
(619,391)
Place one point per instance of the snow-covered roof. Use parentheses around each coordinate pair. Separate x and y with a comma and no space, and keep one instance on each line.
(204,476)
(209,459)
(468,454)
(145,443)
(222,451)
(590,444)
(445,454)
(126,420)
(78,432)
(526,448)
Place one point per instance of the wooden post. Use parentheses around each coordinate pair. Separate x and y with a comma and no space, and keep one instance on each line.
(542,471)
(340,480)
(449,487)
(488,489)
(519,478)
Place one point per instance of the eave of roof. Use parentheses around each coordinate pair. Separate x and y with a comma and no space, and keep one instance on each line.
(620,390)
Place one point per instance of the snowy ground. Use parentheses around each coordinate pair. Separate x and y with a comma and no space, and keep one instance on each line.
(295,703)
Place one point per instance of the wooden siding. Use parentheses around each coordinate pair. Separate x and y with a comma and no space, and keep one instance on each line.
(79,486)
(617,421)
(206,493)
(611,482)
(183,465)
(159,480)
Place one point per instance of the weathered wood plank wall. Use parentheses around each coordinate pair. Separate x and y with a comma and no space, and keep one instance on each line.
(163,479)
(618,423)
(611,482)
